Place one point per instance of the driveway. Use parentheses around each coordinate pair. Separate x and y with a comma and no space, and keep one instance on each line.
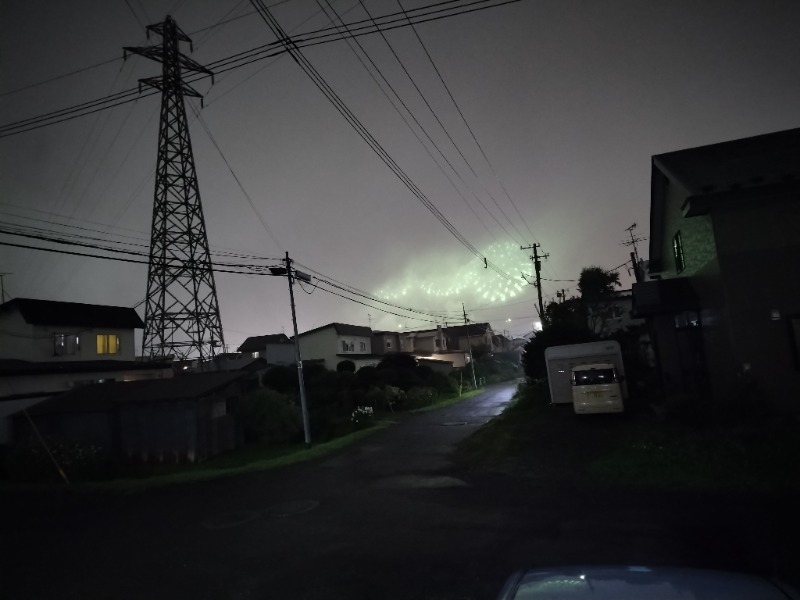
(391,517)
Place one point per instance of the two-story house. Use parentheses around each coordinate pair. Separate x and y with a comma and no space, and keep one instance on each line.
(335,342)
(612,314)
(724,300)
(50,331)
(461,337)
(275,349)
(48,347)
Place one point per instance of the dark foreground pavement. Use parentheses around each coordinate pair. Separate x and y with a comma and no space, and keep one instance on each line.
(391,517)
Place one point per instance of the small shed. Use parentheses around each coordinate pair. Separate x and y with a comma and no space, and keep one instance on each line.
(182,419)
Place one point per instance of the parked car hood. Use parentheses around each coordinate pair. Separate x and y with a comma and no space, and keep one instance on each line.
(641,583)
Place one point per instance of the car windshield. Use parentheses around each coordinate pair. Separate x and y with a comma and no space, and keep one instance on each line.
(594,376)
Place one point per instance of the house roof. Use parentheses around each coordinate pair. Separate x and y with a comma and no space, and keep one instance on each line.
(749,162)
(754,169)
(257,343)
(73,314)
(473,328)
(13,366)
(103,396)
(343,329)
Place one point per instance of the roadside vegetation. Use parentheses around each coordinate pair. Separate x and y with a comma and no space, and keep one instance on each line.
(641,450)
(344,406)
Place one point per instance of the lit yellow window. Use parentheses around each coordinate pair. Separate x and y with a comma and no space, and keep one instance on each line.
(107,344)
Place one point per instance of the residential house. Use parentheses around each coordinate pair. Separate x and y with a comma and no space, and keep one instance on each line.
(424,342)
(723,303)
(429,346)
(187,418)
(335,342)
(50,331)
(47,347)
(613,314)
(276,349)
(386,342)
(460,337)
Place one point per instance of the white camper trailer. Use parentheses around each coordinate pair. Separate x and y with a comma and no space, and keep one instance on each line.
(560,361)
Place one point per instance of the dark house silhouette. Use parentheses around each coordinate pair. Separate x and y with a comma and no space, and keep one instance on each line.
(723,304)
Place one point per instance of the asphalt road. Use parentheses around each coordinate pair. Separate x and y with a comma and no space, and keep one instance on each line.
(389,518)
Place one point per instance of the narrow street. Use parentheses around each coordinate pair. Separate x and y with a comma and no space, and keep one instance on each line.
(390,517)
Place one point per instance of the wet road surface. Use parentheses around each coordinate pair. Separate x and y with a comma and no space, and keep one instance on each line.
(390,517)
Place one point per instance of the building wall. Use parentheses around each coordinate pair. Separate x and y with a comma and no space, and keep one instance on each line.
(279,354)
(759,247)
(320,345)
(385,343)
(701,266)
(697,235)
(19,340)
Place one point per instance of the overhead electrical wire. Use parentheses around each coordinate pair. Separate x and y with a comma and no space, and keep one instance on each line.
(421,15)
(362,131)
(142,257)
(446,132)
(236,178)
(466,123)
(405,120)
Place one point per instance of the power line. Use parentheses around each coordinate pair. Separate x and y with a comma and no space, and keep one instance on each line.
(238,181)
(413,117)
(362,131)
(387,22)
(466,123)
(441,125)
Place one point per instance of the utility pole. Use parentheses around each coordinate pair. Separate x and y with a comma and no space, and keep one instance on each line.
(635,254)
(290,275)
(537,265)
(469,343)
(182,317)
(3,287)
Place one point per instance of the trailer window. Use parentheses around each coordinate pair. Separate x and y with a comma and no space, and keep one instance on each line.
(594,377)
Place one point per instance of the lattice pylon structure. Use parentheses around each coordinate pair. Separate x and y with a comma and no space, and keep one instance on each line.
(182,317)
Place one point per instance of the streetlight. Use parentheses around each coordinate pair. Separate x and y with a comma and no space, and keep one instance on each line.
(287,270)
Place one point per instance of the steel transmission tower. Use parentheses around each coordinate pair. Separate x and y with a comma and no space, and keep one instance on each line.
(182,316)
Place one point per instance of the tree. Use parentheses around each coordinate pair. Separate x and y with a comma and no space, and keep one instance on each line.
(560,333)
(346,366)
(398,361)
(597,284)
(597,287)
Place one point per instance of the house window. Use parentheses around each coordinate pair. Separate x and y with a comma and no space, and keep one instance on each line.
(388,344)
(107,343)
(348,346)
(677,252)
(66,344)
(363,346)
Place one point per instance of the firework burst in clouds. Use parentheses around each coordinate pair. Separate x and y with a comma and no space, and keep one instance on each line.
(440,284)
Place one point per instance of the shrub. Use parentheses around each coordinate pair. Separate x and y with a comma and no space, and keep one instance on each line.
(80,461)
(443,384)
(363,417)
(367,376)
(269,416)
(376,398)
(395,397)
(398,361)
(346,366)
(420,397)
(281,378)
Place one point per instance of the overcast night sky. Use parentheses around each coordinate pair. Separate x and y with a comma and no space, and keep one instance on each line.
(569,100)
